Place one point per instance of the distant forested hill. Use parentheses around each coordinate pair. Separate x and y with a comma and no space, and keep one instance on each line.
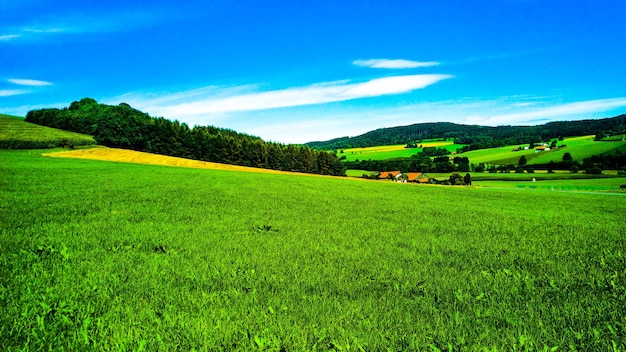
(477,137)
(121,126)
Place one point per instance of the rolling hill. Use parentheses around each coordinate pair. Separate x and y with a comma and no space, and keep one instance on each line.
(476,136)
(15,133)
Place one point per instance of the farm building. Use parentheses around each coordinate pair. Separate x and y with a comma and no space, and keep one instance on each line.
(542,148)
(383,175)
(417,177)
(413,176)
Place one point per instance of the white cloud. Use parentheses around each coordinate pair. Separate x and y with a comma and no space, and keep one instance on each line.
(11,92)
(211,100)
(394,64)
(7,37)
(495,112)
(45,30)
(29,82)
(558,112)
(80,23)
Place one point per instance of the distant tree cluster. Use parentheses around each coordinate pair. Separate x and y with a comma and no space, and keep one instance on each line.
(416,163)
(616,161)
(434,151)
(122,126)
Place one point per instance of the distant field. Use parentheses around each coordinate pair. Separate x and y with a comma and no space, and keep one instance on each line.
(617,137)
(578,147)
(359,173)
(15,133)
(609,182)
(597,184)
(393,151)
(100,255)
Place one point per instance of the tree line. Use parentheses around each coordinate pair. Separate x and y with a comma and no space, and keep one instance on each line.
(122,126)
(416,163)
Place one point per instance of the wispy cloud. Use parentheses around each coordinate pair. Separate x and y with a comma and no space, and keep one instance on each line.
(79,23)
(394,64)
(211,101)
(306,126)
(7,37)
(11,92)
(559,111)
(29,82)
(46,30)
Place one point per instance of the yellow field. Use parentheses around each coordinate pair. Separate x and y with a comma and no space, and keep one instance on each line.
(131,156)
(391,148)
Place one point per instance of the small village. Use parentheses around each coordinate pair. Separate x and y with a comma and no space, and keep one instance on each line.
(421,178)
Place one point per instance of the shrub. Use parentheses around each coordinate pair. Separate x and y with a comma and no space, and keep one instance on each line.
(594,170)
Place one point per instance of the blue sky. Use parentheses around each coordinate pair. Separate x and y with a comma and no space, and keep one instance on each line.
(299,71)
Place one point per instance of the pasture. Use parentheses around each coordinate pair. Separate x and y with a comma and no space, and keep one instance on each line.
(394,151)
(579,148)
(15,133)
(101,255)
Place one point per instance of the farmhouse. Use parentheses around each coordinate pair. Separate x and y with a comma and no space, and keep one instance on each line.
(542,148)
(383,175)
(417,177)
(413,176)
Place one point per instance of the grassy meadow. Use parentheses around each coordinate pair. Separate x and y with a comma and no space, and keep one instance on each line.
(15,133)
(102,255)
(575,185)
(579,148)
(394,151)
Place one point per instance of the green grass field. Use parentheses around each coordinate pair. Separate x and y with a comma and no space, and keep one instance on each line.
(617,137)
(573,185)
(539,175)
(114,256)
(15,133)
(359,173)
(578,147)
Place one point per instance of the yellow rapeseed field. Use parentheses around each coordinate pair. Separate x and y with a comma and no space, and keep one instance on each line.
(377,149)
(131,156)
(391,148)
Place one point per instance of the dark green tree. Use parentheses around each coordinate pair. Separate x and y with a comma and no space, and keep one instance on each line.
(567,157)
(522,161)
(468,179)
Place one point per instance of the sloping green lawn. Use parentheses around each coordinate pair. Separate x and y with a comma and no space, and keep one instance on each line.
(116,256)
(15,133)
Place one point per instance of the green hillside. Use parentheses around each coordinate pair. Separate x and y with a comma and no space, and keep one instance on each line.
(579,148)
(585,153)
(115,256)
(15,133)
(475,136)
